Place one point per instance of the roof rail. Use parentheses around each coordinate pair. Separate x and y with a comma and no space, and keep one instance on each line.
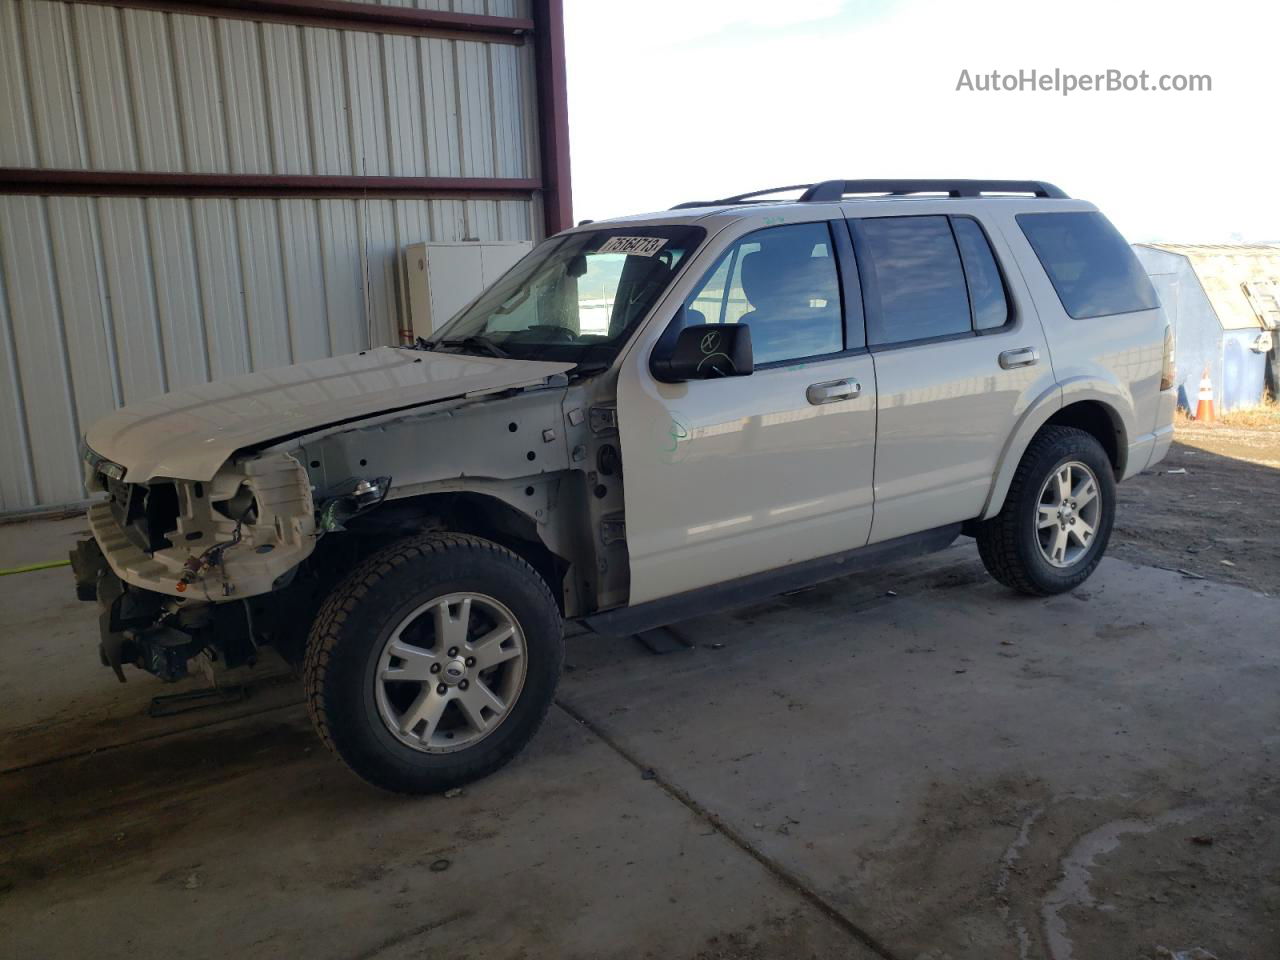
(743,197)
(830,191)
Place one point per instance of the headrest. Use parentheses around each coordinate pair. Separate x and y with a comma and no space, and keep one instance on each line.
(782,276)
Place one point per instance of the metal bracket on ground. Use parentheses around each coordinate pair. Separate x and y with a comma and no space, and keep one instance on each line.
(664,640)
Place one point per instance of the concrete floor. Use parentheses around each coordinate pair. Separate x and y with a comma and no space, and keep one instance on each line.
(952,771)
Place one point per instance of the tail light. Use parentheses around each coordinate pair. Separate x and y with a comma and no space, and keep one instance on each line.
(1166,369)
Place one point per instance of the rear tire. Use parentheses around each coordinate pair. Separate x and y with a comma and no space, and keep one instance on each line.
(434,662)
(1056,520)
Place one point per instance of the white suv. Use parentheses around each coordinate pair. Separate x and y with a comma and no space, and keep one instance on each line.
(645,419)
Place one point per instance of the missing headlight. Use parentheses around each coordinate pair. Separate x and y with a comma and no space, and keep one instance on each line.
(241,507)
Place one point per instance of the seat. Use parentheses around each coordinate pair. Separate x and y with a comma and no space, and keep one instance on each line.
(783,283)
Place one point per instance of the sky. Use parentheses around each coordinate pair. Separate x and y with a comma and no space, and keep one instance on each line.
(673,100)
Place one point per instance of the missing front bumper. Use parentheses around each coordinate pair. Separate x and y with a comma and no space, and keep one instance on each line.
(147,629)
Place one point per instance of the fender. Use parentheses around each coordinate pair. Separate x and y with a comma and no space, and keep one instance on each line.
(1033,418)
(1057,398)
(1117,401)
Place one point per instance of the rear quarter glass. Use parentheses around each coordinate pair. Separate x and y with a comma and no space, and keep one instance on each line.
(1089,263)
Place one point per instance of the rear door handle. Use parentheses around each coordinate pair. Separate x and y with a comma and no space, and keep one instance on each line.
(832,390)
(1022,357)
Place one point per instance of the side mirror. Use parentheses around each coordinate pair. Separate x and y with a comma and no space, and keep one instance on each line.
(705,351)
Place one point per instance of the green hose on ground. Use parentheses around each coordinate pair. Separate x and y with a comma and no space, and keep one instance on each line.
(32,567)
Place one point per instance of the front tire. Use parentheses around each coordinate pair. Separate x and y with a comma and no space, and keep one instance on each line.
(1056,520)
(434,662)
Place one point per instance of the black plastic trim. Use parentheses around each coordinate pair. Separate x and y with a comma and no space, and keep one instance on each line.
(952,188)
(753,588)
(828,191)
(815,358)
(924,341)
(834,191)
(855,317)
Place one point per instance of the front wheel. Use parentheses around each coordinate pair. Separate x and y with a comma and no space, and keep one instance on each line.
(434,663)
(1056,520)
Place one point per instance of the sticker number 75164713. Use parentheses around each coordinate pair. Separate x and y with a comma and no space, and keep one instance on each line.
(636,246)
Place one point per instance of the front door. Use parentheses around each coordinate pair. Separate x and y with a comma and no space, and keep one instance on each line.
(730,477)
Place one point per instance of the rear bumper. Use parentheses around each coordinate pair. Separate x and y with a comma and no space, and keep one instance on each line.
(1162,436)
(1160,445)
(1150,448)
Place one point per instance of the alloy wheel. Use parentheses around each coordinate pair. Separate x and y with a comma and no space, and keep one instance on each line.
(1068,513)
(450,672)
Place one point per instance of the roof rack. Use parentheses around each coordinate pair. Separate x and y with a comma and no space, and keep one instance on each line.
(830,191)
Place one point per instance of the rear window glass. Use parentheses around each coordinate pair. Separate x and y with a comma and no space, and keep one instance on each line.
(916,278)
(1089,264)
(986,289)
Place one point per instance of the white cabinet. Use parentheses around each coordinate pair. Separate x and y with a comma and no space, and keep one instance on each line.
(444,277)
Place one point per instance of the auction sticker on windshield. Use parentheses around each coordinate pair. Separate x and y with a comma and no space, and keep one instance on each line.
(635,246)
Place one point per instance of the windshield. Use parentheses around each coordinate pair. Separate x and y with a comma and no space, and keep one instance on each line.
(574,298)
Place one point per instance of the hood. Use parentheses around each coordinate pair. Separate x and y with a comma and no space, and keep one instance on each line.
(189,434)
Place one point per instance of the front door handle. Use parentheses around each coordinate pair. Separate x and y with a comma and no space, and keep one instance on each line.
(833,390)
(1022,357)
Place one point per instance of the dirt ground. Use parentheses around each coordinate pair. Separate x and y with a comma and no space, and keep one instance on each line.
(1212,507)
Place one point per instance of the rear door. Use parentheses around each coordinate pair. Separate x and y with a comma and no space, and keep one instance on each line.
(959,354)
(730,477)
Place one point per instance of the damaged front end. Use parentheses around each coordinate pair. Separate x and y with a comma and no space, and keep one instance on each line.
(154,632)
(231,509)
(173,564)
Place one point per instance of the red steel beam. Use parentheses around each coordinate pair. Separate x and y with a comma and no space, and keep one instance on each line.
(547,28)
(129,184)
(340,15)
(553,114)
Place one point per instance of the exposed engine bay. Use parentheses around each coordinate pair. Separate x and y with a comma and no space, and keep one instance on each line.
(183,568)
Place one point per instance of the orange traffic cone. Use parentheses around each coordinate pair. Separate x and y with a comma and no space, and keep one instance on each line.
(1204,405)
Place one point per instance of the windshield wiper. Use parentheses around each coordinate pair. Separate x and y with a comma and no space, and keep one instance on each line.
(478,343)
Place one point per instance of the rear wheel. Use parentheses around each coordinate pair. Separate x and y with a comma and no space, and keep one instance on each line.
(434,663)
(1056,520)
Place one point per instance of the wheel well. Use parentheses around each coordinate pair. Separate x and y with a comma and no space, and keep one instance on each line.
(474,513)
(1102,423)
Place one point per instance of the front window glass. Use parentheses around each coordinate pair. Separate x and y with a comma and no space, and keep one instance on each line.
(574,298)
(782,282)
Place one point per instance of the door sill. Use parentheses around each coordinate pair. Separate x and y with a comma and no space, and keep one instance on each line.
(750,589)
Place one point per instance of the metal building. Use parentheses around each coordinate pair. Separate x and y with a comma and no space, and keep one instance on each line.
(189,191)
(1223,300)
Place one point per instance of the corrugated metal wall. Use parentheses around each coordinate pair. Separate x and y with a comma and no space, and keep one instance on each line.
(106,300)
